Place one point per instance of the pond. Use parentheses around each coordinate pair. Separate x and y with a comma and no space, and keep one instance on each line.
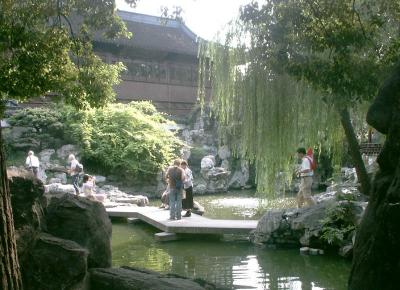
(235,264)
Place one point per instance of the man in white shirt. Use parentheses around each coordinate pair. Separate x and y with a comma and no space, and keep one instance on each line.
(74,172)
(32,163)
(306,175)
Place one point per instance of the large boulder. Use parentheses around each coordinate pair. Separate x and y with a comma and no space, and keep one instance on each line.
(27,203)
(224,152)
(240,177)
(45,155)
(61,176)
(208,162)
(376,260)
(118,197)
(58,188)
(66,150)
(304,226)
(83,221)
(131,278)
(55,264)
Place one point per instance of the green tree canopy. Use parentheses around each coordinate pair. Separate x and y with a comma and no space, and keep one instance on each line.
(291,70)
(41,52)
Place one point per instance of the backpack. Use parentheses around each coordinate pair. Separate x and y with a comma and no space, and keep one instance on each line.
(310,157)
(78,168)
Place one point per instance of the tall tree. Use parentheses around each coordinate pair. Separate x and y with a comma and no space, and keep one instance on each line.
(45,46)
(331,54)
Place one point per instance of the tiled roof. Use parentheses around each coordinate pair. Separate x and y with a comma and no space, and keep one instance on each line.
(158,34)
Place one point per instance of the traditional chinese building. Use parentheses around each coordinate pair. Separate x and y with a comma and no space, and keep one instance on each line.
(161,61)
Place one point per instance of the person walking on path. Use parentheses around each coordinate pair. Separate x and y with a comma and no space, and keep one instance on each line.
(74,170)
(175,177)
(187,202)
(306,174)
(32,163)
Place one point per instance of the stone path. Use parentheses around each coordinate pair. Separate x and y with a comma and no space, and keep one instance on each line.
(195,224)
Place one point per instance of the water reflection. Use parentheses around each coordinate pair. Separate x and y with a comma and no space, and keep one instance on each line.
(239,205)
(237,265)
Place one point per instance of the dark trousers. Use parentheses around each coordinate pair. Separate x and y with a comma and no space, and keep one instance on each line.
(35,171)
(75,182)
(187,203)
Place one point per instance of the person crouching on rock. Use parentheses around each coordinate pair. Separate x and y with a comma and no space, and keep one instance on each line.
(187,202)
(88,186)
(175,177)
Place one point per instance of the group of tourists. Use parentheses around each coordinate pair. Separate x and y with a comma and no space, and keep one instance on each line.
(179,192)
(75,170)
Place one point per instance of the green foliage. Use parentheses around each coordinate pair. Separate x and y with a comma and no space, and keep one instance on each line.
(47,126)
(338,225)
(128,140)
(41,119)
(287,68)
(41,52)
(340,47)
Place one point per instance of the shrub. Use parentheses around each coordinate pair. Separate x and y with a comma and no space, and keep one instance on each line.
(128,140)
(47,125)
(339,224)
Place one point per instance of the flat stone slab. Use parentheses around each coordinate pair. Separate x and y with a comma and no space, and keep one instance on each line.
(195,224)
(165,237)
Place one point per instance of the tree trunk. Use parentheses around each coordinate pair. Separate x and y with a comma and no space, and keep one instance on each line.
(10,274)
(355,151)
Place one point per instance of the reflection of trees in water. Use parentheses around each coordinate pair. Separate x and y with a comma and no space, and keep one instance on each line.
(233,264)
(285,266)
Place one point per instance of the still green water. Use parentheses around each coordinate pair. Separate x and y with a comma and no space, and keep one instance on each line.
(233,264)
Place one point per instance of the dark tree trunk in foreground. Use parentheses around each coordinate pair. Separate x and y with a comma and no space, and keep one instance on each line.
(376,260)
(9,267)
(354,148)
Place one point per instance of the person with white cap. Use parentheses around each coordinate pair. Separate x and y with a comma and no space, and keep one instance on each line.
(32,163)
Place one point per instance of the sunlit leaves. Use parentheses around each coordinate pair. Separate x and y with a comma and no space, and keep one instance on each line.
(45,47)
(126,138)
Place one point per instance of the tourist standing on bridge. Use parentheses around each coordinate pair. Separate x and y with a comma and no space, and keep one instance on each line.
(187,202)
(175,177)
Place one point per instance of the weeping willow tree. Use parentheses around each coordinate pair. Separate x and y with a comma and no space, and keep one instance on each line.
(265,116)
(292,73)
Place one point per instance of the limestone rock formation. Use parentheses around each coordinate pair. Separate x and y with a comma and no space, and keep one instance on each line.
(27,203)
(132,278)
(376,260)
(55,264)
(305,226)
(83,221)
(58,188)
(66,150)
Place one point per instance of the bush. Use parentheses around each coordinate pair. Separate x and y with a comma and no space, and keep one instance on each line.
(47,125)
(127,140)
(339,224)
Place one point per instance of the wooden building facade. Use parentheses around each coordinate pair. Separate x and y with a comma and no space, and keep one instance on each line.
(161,61)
